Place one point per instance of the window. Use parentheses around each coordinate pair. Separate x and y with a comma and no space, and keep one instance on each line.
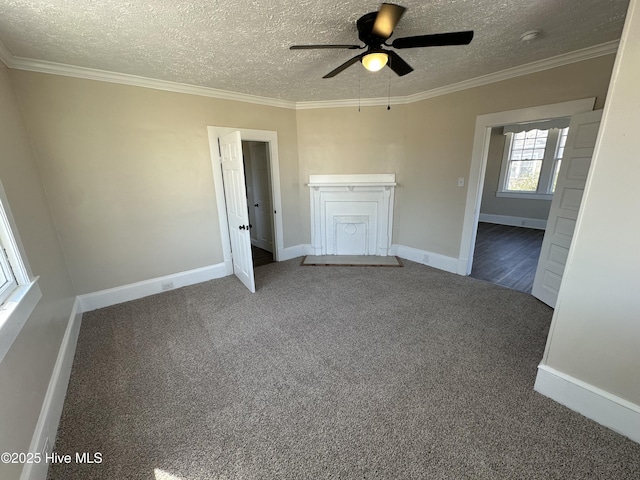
(7,278)
(531,161)
(558,158)
(19,291)
(525,160)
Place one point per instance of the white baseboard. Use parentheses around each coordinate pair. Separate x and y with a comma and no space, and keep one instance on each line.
(441,262)
(513,221)
(294,252)
(228,267)
(51,410)
(599,405)
(134,291)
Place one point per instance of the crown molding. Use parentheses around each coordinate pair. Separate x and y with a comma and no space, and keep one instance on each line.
(527,69)
(41,66)
(521,70)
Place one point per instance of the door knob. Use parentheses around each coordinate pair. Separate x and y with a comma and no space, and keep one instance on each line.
(256,205)
(242,227)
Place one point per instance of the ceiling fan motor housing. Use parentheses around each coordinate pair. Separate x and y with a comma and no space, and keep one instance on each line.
(365,29)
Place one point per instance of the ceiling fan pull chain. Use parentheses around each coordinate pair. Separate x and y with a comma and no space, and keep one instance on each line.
(389,96)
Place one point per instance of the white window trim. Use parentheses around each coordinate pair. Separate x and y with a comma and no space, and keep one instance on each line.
(18,306)
(546,174)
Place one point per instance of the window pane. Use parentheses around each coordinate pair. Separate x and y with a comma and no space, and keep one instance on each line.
(525,160)
(7,282)
(533,146)
(3,278)
(524,175)
(556,170)
(562,141)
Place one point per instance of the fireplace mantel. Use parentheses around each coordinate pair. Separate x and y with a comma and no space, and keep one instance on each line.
(360,180)
(352,214)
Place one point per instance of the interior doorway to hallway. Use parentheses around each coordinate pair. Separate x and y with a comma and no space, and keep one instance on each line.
(225,144)
(257,174)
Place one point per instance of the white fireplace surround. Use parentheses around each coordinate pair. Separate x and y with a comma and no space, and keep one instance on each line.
(352,214)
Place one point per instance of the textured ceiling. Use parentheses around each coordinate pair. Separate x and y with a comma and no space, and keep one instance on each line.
(242,45)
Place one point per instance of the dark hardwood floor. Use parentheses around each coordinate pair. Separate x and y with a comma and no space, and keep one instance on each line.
(260,256)
(507,255)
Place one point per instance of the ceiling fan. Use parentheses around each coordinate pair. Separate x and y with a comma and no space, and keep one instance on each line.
(374,29)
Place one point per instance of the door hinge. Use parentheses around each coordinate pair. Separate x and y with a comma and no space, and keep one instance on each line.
(219,149)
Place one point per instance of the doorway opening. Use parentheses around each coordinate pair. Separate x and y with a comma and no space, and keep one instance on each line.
(228,164)
(485,127)
(520,176)
(257,174)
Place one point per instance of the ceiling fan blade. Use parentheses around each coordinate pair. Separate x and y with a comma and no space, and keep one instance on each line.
(435,40)
(313,47)
(344,66)
(387,19)
(398,65)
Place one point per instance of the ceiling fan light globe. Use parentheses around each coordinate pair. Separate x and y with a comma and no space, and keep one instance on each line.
(375,61)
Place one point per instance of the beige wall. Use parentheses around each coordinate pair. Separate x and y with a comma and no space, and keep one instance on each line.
(428,145)
(128,170)
(516,207)
(128,173)
(595,332)
(26,369)
(345,141)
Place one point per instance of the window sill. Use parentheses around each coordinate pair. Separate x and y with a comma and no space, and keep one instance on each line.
(15,312)
(526,195)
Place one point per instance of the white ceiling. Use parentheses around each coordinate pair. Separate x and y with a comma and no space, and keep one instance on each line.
(243,45)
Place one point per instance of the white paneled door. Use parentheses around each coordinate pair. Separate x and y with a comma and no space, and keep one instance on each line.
(235,195)
(583,131)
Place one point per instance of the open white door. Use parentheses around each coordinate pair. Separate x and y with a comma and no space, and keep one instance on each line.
(235,196)
(583,131)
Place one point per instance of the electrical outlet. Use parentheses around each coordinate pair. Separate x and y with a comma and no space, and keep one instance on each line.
(461,182)
(167,285)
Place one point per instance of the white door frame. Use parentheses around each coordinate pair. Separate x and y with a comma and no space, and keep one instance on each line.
(271,139)
(484,124)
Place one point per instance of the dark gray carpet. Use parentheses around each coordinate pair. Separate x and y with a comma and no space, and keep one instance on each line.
(350,373)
